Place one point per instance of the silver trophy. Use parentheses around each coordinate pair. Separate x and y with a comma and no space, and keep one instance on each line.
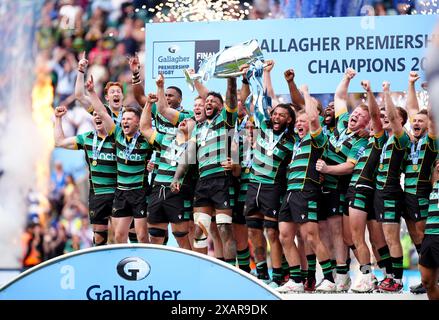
(226,63)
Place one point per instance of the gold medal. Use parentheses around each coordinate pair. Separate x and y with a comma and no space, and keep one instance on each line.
(126,161)
(94,163)
(337,150)
(415,167)
(381,166)
(247,170)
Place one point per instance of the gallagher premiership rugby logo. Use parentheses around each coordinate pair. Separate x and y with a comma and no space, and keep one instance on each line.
(133,268)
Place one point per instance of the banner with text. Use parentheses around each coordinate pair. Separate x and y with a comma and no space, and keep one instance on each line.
(318,49)
(136,272)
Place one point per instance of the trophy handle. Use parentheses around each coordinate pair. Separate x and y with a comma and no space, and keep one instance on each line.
(189,80)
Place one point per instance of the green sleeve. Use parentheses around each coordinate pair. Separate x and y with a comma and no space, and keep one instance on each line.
(342,121)
(185,115)
(432,143)
(319,139)
(403,141)
(154,110)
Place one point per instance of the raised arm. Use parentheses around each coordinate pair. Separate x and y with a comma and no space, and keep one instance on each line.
(341,93)
(79,85)
(60,140)
(245,87)
(138,89)
(412,106)
(162,104)
(231,94)
(146,120)
(391,111)
(98,106)
(296,96)
(268,85)
(311,109)
(374,110)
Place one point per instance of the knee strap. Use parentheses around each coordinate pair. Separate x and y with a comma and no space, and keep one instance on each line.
(156,232)
(255,223)
(203,220)
(179,234)
(200,243)
(104,235)
(268,224)
(222,218)
(133,237)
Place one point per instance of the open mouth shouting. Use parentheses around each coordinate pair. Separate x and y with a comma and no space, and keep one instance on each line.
(417,130)
(300,131)
(277,125)
(117,101)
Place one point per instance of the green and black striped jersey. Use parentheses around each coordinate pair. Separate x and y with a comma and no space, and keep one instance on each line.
(343,145)
(432,223)
(391,163)
(366,168)
(418,163)
(131,166)
(212,139)
(163,125)
(245,160)
(271,155)
(302,173)
(103,171)
(170,153)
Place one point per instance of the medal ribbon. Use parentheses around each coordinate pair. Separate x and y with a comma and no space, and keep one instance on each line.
(415,154)
(272,143)
(97,148)
(383,152)
(206,126)
(238,129)
(177,150)
(296,148)
(248,161)
(129,149)
(342,138)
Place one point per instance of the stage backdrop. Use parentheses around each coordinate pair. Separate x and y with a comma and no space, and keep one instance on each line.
(318,49)
(136,272)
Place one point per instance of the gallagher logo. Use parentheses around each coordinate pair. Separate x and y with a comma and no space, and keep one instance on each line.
(133,268)
(174,49)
